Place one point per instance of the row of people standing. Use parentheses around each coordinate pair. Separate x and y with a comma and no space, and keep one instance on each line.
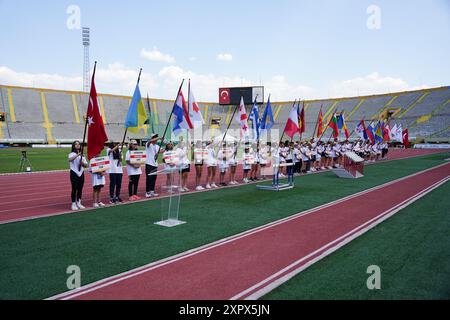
(78,164)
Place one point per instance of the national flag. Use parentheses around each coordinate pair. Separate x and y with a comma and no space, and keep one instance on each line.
(292,123)
(182,120)
(361,130)
(334,125)
(370,130)
(243,119)
(378,133)
(344,126)
(254,117)
(136,116)
(392,132)
(194,111)
(320,124)
(386,132)
(405,138)
(301,119)
(267,120)
(96,129)
(397,133)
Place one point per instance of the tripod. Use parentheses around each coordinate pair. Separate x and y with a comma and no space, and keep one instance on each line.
(25,163)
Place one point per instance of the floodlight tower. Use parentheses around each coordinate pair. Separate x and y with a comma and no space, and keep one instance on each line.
(86,66)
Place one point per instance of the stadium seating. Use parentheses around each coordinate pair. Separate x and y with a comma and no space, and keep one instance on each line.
(50,115)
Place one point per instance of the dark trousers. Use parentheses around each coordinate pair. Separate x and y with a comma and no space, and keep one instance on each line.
(115,184)
(150,181)
(298,167)
(133,184)
(384,152)
(77,186)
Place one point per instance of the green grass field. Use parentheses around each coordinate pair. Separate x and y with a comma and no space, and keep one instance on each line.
(41,159)
(36,253)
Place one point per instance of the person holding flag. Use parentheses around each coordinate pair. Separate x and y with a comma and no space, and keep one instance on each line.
(96,142)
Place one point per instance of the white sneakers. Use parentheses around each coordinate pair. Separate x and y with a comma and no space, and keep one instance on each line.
(99,205)
(214,185)
(77,206)
(245,180)
(80,206)
(199,188)
(208,186)
(151,194)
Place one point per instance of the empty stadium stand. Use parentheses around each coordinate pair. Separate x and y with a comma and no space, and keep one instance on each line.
(33,115)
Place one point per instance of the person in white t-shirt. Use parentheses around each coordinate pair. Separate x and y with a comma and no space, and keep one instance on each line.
(114,153)
(171,161)
(182,152)
(134,173)
(223,159)
(152,150)
(98,182)
(77,164)
(233,164)
(211,163)
(247,162)
(198,158)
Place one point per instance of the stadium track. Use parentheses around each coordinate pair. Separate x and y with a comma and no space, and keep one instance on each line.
(36,195)
(250,264)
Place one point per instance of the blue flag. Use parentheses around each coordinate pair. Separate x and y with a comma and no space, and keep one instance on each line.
(267,118)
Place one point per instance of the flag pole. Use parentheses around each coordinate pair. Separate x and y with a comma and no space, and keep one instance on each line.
(149,113)
(284,130)
(170,118)
(86,121)
(229,124)
(240,138)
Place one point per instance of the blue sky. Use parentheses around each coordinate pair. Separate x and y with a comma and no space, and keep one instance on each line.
(308,49)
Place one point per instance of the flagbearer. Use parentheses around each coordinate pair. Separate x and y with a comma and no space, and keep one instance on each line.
(77,174)
(152,150)
(114,153)
(134,172)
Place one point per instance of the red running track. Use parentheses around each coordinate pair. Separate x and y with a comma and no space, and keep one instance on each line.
(251,264)
(34,195)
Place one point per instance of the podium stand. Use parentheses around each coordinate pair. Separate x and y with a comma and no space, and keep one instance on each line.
(353,167)
(170,204)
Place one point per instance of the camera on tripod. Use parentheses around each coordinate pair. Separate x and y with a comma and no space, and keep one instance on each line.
(25,164)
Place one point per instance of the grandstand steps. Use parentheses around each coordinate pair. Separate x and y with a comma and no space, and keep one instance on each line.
(356,108)
(380,112)
(414,104)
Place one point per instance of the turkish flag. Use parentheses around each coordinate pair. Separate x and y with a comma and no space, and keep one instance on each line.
(96,129)
(405,138)
(224,96)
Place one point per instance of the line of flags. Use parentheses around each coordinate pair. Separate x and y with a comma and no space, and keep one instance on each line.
(188,116)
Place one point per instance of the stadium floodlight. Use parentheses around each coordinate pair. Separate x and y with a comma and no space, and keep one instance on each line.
(86,37)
